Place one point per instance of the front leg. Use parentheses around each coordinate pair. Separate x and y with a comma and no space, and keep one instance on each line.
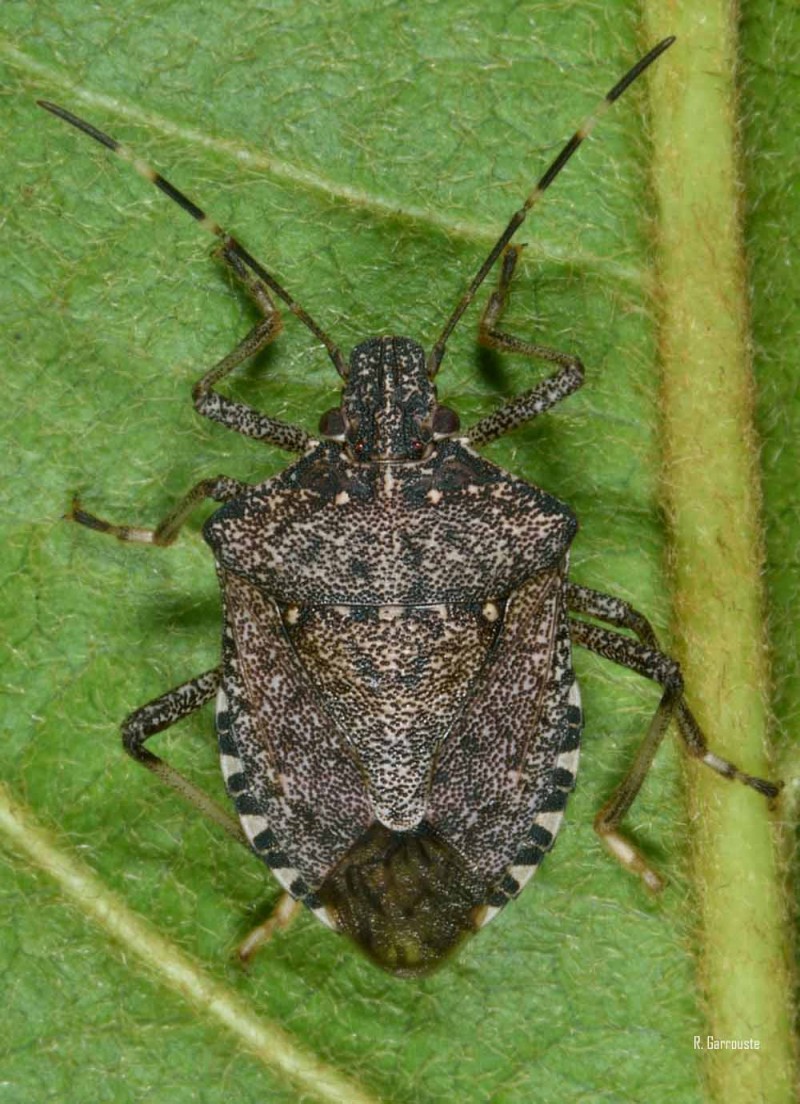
(239,416)
(546,394)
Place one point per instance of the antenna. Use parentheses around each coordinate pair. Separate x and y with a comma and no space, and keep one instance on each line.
(230,244)
(438,350)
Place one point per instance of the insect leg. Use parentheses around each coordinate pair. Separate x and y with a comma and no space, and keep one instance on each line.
(161,713)
(230,245)
(653,664)
(605,607)
(221,489)
(281,917)
(540,398)
(256,288)
(613,610)
(517,219)
(239,416)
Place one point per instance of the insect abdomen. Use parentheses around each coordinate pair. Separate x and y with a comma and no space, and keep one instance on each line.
(406,898)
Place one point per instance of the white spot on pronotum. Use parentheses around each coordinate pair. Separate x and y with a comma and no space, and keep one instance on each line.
(342,498)
(390,613)
(222,701)
(292,615)
(434,496)
(490,611)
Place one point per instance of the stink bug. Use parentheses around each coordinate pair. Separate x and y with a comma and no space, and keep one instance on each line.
(398,719)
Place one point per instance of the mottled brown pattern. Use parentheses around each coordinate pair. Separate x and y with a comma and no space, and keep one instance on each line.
(388,543)
(396,666)
(373,641)
(298,770)
(496,769)
(394,679)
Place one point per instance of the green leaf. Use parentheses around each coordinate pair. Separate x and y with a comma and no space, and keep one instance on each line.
(369,156)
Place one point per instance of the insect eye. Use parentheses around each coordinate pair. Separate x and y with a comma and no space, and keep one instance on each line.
(331,424)
(359,447)
(445,421)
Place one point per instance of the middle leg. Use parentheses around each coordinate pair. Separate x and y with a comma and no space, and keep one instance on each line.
(605,607)
(221,489)
(155,717)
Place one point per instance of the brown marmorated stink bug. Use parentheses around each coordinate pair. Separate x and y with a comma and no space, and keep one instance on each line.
(398,719)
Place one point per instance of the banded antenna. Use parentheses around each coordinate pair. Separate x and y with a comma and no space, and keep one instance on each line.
(583,131)
(229,243)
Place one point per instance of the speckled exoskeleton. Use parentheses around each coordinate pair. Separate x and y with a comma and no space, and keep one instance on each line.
(398,718)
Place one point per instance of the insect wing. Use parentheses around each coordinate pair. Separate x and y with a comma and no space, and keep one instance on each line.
(274,734)
(503,776)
